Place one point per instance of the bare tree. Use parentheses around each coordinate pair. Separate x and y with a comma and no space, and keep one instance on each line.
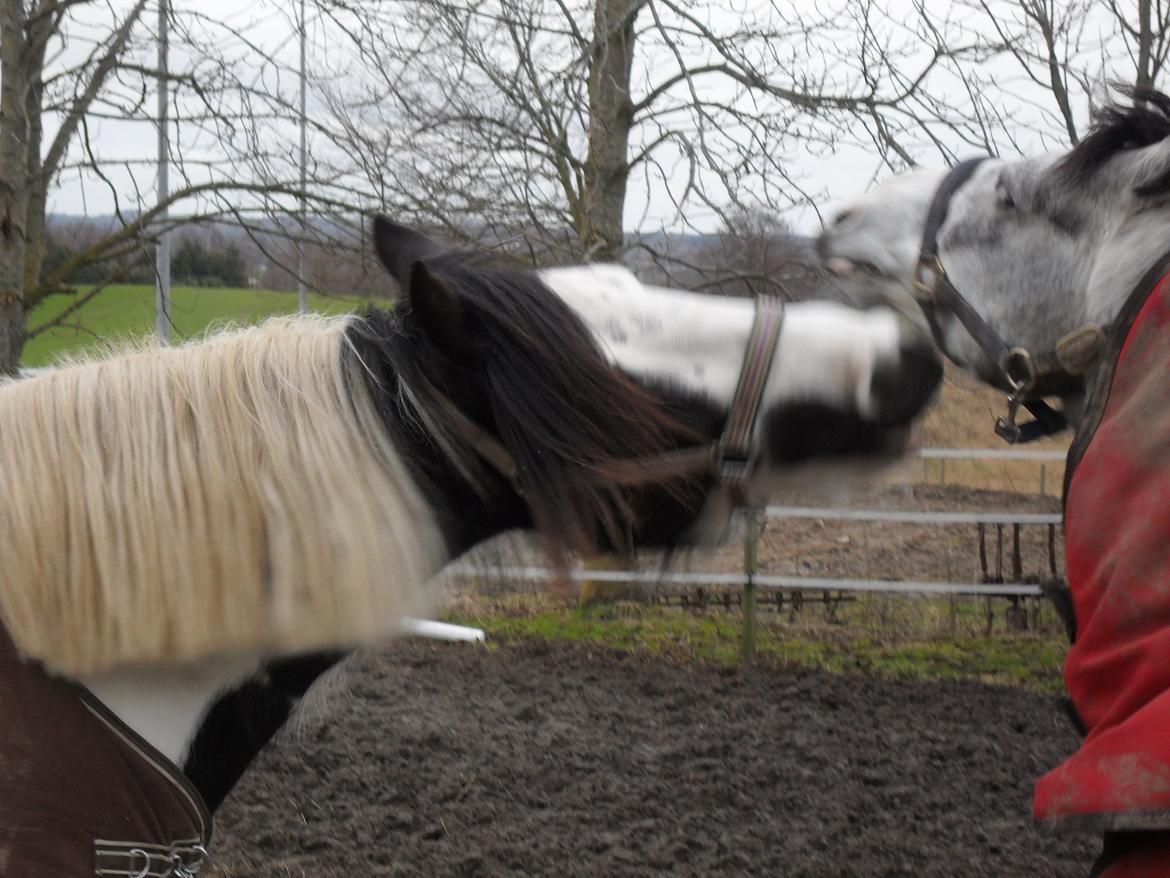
(754,253)
(1013,76)
(560,123)
(72,67)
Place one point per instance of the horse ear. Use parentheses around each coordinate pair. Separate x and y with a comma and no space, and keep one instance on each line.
(399,248)
(443,316)
(440,313)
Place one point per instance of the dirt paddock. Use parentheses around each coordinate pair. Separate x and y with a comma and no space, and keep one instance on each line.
(432,759)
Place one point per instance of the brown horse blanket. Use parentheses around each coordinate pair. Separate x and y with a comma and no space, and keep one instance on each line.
(1117,545)
(80,793)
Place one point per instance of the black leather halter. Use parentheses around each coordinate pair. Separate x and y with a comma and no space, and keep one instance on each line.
(1027,374)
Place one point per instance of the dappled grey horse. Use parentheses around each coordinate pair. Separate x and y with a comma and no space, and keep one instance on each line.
(1047,277)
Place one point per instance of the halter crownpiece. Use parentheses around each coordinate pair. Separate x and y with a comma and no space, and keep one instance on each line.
(1030,376)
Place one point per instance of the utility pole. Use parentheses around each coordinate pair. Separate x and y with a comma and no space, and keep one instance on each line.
(162,289)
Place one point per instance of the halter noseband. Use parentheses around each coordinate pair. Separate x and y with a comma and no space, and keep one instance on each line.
(730,459)
(1028,375)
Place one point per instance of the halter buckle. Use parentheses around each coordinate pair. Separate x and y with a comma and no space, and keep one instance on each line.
(1006,427)
(734,467)
(1022,374)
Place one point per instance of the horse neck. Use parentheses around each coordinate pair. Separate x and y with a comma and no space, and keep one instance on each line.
(1124,262)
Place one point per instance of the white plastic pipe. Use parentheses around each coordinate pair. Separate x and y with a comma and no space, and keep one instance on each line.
(442,631)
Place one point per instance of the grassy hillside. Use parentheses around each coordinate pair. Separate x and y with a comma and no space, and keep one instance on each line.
(126,312)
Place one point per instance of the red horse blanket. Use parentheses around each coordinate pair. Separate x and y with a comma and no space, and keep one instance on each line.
(1117,545)
(80,793)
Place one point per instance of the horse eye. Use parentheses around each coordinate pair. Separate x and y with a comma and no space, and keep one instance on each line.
(841,218)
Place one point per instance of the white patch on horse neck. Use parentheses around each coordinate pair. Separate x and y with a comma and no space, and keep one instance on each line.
(696,342)
(167,706)
(685,338)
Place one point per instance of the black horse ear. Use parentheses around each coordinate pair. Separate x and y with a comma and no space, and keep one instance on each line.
(441,314)
(399,248)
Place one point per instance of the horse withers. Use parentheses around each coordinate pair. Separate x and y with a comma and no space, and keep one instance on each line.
(1048,276)
(195,534)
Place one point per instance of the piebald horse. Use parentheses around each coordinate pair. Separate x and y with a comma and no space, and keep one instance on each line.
(1048,276)
(194,535)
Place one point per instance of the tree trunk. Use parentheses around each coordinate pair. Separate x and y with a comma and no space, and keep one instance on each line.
(1145,73)
(14,132)
(610,119)
(37,188)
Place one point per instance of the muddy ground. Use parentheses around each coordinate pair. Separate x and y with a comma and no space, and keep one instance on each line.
(554,760)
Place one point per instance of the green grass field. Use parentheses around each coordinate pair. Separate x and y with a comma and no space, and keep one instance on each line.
(1030,660)
(125,312)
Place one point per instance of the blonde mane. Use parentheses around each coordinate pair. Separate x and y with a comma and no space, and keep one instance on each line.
(232,496)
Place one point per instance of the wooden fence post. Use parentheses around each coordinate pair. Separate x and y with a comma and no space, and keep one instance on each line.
(751,566)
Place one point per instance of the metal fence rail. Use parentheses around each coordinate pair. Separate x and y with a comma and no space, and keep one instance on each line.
(991,454)
(912,516)
(762,580)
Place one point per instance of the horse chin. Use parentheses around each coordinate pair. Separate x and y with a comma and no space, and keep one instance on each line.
(841,473)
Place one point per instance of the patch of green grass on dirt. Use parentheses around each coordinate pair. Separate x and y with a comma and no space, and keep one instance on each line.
(123,312)
(1027,660)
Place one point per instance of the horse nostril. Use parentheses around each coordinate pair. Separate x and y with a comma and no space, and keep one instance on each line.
(902,388)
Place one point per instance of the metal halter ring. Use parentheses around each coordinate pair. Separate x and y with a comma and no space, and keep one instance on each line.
(1020,368)
(927,272)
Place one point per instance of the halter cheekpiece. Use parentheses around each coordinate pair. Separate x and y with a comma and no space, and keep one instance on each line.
(1030,375)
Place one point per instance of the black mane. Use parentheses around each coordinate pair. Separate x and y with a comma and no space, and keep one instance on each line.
(1144,121)
(540,384)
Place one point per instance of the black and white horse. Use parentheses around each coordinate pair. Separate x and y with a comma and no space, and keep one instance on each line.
(209,528)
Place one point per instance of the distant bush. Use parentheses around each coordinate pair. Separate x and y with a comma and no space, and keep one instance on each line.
(199,266)
(192,264)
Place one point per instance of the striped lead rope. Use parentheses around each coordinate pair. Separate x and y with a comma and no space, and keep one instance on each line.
(736,443)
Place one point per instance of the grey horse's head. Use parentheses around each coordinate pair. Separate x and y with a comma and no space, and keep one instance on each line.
(1038,246)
